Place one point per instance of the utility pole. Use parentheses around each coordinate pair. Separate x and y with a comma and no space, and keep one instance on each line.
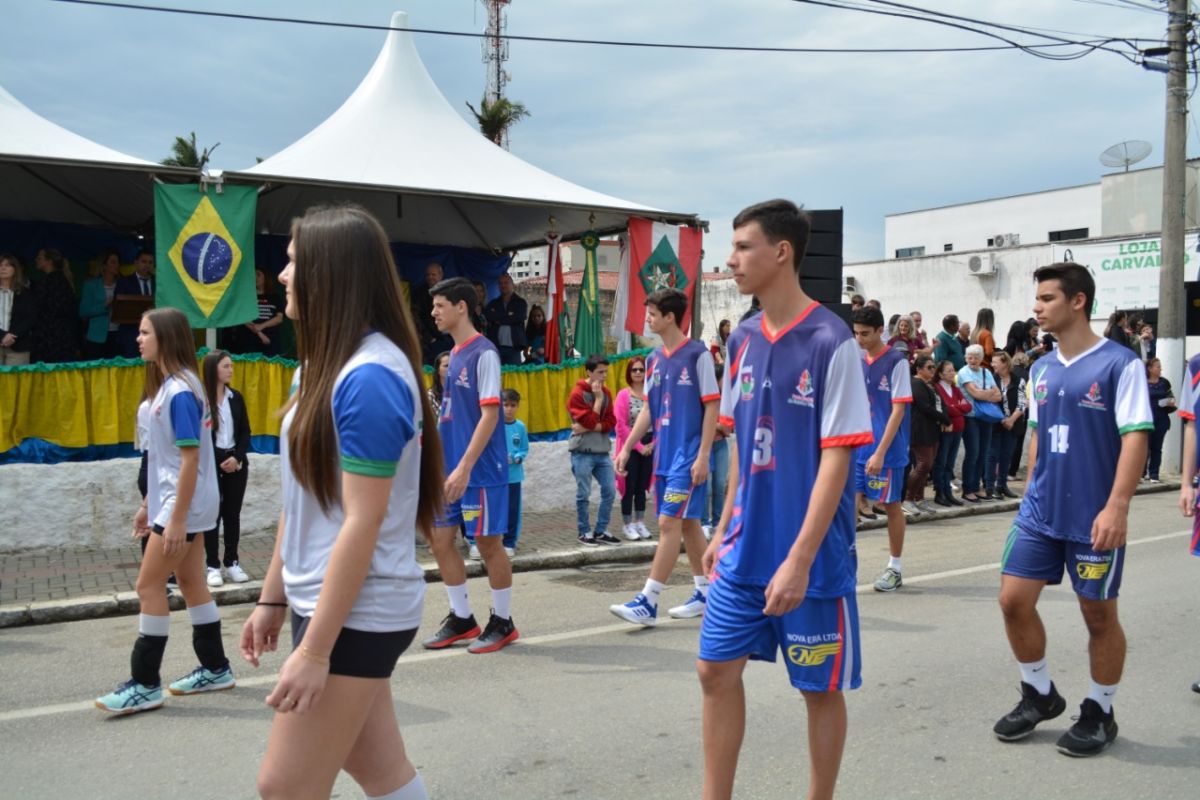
(1171,295)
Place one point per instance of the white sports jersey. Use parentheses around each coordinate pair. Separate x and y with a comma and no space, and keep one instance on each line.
(179,417)
(376,410)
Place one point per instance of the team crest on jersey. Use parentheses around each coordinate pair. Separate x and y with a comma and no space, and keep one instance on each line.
(462,379)
(747,382)
(884,386)
(803,394)
(684,378)
(1093,399)
(1041,391)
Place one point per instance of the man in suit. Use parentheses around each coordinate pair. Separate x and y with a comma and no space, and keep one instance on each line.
(506,321)
(141,282)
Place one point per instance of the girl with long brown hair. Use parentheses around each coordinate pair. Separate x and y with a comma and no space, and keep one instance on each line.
(362,474)
(231,448)
(180,505)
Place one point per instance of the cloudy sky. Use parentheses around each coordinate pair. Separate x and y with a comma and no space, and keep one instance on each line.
(689,131)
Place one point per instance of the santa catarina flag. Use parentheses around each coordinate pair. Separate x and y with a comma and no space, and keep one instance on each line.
(204,248)
(660,257)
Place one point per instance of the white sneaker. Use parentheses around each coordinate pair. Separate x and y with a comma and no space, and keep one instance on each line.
(925,507)
(236,574)
(214,578)
(642,530)
(694,607)
(910,508)
(631,531)
(510,551)
(707,530)
(473,553)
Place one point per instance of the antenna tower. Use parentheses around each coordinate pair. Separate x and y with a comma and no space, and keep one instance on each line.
(495,49)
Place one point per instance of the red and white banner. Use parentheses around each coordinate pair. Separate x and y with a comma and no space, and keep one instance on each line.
(555,300)
(660,257)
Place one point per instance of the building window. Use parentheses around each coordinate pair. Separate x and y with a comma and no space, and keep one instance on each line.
(909,252)
(1067,235)
(947,248)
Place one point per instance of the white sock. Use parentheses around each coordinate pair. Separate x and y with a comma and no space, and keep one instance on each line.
(1103,695)
(205,613)
(894,563)
(1037,675)
(154,626)
(653,590)
(502,602)
(458,600)
(413,790)
(701,584)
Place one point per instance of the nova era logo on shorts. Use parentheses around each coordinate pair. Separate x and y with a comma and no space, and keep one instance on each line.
(812,655)
(675,496)
(1092,571)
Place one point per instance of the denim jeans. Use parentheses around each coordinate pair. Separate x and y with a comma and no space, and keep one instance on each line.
(584,466)
(943,464)
(514,515)
(718,479)
(1154,460)
(977,441)
(995,477)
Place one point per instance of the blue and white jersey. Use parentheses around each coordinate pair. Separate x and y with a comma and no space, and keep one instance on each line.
(376,410)
(1081,408)
(472,382)
(787,397)
(678,385)
(179,417)
(1189,401)
(888,383)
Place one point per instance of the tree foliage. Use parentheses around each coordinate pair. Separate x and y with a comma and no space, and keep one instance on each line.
(495,118)
(186,153)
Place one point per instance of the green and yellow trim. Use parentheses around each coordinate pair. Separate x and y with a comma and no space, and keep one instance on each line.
(1137,426)
(187,442)
(369,467)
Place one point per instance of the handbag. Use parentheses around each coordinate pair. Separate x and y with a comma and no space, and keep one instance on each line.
(987,410)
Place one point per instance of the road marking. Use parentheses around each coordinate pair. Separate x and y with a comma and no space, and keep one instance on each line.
(547,638)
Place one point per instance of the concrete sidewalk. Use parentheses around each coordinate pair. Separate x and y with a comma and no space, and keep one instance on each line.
(64,584)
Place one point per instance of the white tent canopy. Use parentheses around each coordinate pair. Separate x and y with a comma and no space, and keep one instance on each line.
(398,147)
(50,174)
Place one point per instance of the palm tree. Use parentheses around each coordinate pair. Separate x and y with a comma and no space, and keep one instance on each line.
(496,117)
(187,154)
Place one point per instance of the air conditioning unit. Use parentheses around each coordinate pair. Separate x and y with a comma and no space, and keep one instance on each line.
(1006,240)
(982,265)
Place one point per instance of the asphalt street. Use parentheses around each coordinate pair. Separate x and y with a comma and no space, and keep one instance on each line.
(585,706)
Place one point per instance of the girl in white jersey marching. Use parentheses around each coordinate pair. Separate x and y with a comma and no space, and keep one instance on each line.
(360,476)
(181,503)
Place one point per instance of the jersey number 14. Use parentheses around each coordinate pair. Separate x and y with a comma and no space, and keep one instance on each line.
(1058,438)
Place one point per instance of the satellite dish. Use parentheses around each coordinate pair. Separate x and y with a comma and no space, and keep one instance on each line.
(1125,153)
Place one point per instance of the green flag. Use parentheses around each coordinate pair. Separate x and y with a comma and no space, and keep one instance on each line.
(204,248)
(589,335)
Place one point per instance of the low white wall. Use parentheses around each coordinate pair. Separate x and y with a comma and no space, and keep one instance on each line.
(91,504)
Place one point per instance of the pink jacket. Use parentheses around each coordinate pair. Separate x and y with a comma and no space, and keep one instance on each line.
(624,426)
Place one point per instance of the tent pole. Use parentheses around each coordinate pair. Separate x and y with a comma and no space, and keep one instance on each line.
(210,338)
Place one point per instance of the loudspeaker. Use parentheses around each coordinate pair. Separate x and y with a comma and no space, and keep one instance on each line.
(822,290)
(821,270)
(1192,315)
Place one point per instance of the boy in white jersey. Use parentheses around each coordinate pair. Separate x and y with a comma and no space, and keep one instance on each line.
(1090,417)
(782,560)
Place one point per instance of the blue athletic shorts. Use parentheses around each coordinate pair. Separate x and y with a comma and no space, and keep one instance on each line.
(676,497)
(820,638)
(1196,533)
(1095,574)
(483,509)
(887,487)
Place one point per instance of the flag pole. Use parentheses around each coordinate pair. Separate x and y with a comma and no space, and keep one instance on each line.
(210,339)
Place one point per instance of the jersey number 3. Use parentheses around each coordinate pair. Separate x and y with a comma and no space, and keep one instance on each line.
(764,449)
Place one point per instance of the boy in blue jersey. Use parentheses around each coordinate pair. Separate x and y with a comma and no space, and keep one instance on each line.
(879,467)
(782,560)
(477,482)
(1188,410)
(681,404)
(1090,416)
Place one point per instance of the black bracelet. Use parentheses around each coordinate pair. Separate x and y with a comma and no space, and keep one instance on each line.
(276,605)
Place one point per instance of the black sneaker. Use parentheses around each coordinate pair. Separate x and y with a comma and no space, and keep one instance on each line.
(1092,732)
(604,538)
(498,633)
(1196,687)
(587,541)
(454,629)
(1033,708)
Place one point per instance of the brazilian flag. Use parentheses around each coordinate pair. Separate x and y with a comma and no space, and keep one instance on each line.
(204,242)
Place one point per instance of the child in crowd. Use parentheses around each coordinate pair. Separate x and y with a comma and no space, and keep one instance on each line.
(517,439)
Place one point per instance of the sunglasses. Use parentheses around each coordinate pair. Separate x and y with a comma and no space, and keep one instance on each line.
(637,369)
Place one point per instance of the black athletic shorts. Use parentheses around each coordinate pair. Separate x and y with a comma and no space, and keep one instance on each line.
(360,654)
(159,530)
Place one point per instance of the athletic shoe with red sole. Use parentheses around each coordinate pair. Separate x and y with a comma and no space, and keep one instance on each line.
(454,629)
(498,633)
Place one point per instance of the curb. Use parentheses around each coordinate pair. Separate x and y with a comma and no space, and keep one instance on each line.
(45,612)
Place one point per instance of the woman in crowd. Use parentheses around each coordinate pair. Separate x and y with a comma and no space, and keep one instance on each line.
(956,407)
(535,336)
(929,420)
(262,335)
(905,338)
(717,347)
(1018,338)
(95,309)
(947,346)
(16,312)
(1020,372)
(1115,329)
(362,475)
(437,381)
(634,484)
(181,504)
(985,323)
(1012,405)
(979,386)
(1162,403)
(231,443)
(56,325)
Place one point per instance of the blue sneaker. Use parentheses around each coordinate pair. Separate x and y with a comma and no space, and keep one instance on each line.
(131,697)
(203,680)
(637,611)
(694,607)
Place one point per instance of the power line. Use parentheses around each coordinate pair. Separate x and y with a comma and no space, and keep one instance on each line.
(1037,49)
